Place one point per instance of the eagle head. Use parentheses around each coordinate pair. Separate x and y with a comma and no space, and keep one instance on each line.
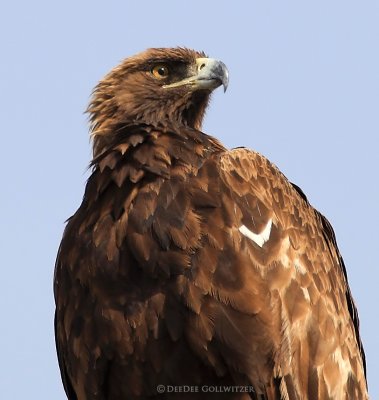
(156,87)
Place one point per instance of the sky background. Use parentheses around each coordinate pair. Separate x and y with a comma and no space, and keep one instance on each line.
(304,91)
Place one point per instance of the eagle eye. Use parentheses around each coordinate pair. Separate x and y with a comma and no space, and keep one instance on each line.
(160,71)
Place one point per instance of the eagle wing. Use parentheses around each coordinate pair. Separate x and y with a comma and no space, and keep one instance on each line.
(279,297)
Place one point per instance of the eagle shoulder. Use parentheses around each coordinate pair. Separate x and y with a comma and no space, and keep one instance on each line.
(294,249)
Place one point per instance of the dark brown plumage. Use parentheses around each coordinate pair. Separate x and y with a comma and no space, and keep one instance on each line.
(188,264)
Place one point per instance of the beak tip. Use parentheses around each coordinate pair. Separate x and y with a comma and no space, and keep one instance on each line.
(225,83)
(224,75)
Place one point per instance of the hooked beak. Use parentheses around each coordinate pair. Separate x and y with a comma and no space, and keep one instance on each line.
(210,75)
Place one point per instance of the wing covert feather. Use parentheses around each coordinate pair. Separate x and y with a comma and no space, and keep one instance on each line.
(296,283)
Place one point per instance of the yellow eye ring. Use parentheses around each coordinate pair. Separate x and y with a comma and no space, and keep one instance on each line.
(160,71)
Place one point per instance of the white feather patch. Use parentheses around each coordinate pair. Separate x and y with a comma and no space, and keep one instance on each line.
(306,294)
(300,267)
(344,366)
(261,238)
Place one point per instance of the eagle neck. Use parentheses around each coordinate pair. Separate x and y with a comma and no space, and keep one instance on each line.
(156,150)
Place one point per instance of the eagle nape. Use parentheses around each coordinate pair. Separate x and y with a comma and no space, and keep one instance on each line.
(191,269)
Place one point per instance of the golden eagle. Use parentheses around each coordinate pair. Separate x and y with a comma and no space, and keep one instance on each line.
(193,267)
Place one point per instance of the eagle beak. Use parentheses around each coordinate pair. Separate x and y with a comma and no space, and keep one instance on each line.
(210,75)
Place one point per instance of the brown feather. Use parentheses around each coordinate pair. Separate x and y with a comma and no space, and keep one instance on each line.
(187,264)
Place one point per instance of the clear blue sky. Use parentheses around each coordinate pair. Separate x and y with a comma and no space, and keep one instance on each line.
(304,91)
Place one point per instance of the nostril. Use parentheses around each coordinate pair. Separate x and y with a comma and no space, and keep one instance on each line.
(202,66)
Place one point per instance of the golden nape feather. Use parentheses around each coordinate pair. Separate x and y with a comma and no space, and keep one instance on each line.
(191,271)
